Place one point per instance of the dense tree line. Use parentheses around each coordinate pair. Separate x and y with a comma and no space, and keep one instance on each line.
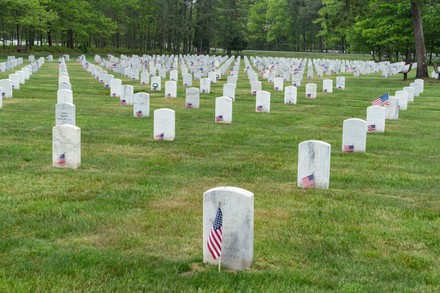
(383,28)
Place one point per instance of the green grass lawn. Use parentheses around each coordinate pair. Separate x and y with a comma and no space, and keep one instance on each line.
(130,218)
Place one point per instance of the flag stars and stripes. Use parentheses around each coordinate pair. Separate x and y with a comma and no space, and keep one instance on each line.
(215,236)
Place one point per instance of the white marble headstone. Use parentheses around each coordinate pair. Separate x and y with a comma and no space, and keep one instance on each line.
(410,91)
(392,110)
(340,82)
(115,87)
(403,99)
(223,110)
(311,89)
(278,84)
(255,87)
(15,81)
(164,124)
(6,85)
(314,164)
(170,89)
(174,75)
(205,85)
(64,96)
(375,119)
(187,80)
(141,105)
(127,92)
(354,135)
(64,85)
(229,91)
(262,101)
(145,78)
(417,88)
(327,85)
(232,79)
(212,75)
(237,208)
(421,84)
(21,76)
(290,94)
(66,146)
(65,113)
(156,83)
(192,99)
(63,78)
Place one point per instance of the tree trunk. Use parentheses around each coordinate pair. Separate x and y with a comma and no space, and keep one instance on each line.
(419,40)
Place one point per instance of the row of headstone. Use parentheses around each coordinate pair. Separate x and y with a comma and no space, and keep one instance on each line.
(13,82)
(355,130)
(66,136)
(10,64)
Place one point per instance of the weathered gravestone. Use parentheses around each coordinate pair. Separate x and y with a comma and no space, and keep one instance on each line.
(127,92)
(327,85)
(313,164)
(376,119)
(311,90)
(402,96)
(290,94)
(141,105)
(354,135)
(255,87)
(236,209)
(115,87)
(192,99)
(223,110)
(164,124)
(229,91)
(205,86)
(262,101)
(392,109)
(170,89)
(6,85)
(65,113)
(156,83)
(66,146)
(64,96)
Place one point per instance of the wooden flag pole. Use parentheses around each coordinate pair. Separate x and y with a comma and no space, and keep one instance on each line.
(219,263)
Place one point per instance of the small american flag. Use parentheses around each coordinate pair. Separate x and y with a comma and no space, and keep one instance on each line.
(215,235)
(189,105)
(308,181)
(160,136)
(382,100)
(219,118)
(259,108)
(139,114)
(372,127)
(122,102)
(348,147)
(61,159)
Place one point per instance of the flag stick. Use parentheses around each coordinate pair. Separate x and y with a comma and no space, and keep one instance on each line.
(219,263)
